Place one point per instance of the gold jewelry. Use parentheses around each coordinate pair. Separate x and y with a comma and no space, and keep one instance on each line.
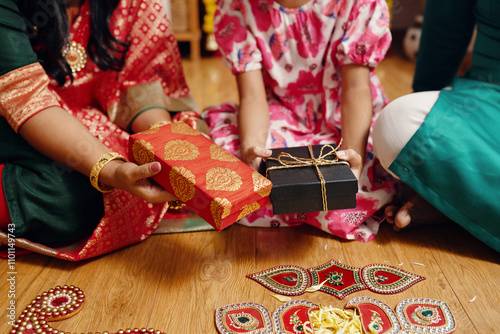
(76,56)
(99,165)
(175,204)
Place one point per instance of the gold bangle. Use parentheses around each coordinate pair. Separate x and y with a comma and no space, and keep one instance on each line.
(99,165)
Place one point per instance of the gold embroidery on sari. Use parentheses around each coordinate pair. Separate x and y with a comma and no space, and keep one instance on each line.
(23,93)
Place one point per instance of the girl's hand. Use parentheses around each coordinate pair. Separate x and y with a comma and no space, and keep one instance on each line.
(189,117)
(135,180)
(354,159)
(193,120)
(253,156)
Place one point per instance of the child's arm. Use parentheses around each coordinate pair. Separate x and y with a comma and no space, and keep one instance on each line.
(253,118)
(356,112)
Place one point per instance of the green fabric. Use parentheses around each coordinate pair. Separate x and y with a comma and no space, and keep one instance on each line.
(16,48)
(453,160)
(48,203)
(446,33)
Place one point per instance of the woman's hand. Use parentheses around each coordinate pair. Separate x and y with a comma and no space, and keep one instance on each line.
(354,160)
(253,156)
(136,180)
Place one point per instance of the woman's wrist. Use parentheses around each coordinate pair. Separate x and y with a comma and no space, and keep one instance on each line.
(101,173)
(148,118)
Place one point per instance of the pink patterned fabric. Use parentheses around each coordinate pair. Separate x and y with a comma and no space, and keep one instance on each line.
(300,52)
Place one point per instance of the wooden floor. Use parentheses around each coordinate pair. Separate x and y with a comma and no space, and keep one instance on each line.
(175,282)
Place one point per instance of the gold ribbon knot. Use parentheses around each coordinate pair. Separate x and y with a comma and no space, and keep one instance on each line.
(288,161)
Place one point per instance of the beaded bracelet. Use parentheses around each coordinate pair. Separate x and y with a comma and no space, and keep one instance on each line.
(99,165)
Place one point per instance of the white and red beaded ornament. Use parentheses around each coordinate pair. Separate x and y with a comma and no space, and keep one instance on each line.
(243,318)
(254,318)
(286,280)
(57,304)
(376,317)
(336,279)
(385,279)
(423,315)
(367,315)
(339,279)
(292,317)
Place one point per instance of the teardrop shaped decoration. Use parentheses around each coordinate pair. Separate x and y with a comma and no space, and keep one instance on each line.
(417,315)
(243,318)
(337,279)
(292,317)
(287,280)
(376,317)
(387,279)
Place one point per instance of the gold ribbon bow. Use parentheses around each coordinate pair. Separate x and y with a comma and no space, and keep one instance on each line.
(288,161)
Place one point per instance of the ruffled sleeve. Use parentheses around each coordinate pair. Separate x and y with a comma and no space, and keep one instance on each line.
(367,37)
(236,42)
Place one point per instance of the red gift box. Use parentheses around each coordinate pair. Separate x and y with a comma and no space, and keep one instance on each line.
(215,184)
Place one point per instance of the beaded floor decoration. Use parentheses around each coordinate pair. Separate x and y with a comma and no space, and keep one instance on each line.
(360,315)
(57,304)
(336,279)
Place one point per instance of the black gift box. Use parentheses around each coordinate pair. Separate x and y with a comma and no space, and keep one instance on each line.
(297,189)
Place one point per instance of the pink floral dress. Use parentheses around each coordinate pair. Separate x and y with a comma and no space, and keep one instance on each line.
(300,52)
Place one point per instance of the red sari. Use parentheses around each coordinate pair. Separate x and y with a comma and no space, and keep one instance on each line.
(105,102)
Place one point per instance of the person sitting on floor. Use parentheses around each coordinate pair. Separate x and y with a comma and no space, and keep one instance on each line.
(73,87)
(442,140)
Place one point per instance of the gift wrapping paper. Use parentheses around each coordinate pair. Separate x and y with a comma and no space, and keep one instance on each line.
(215,184)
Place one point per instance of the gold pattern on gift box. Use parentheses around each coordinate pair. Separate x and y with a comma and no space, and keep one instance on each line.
(218,153)
(183,129)
(225,179)
(248,209)
(182,181)
(220,208)
(143,152)
(180,150)
(261,185)
(150,131)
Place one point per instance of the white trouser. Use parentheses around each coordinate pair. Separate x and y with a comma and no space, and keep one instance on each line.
(398,122)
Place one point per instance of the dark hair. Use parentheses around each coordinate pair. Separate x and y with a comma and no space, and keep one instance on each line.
(48,29)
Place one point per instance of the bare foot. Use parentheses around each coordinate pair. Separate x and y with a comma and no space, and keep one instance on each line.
(415,211)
